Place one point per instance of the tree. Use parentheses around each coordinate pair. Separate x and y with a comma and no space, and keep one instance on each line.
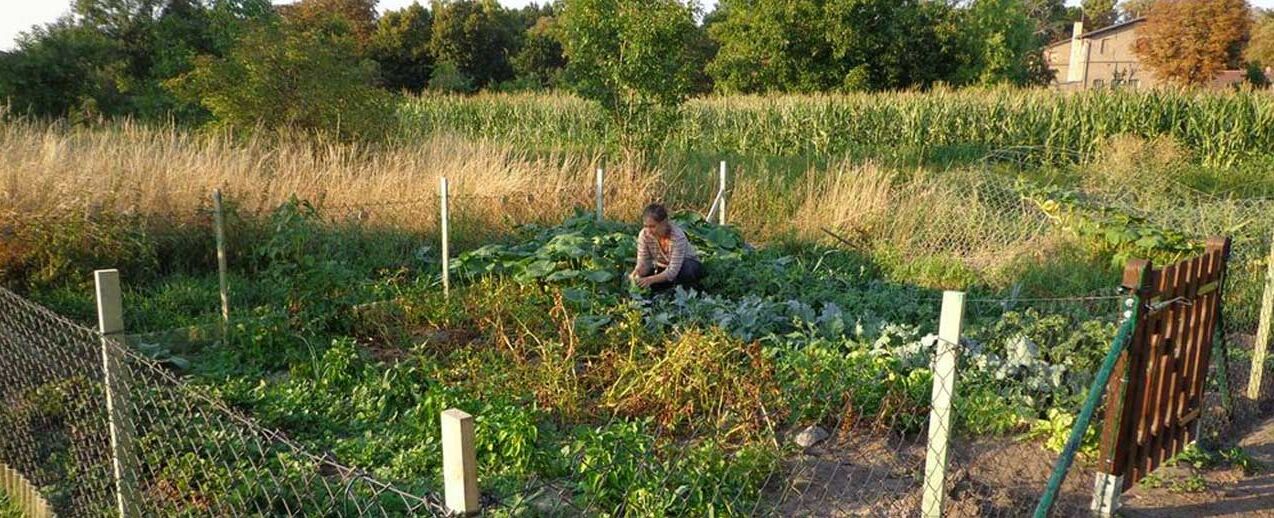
(62,68)
(540,60)
(359,14)
(1100,13)
(400,46)
(818,45)
(1260,50)
(773,45)
(291,76)
(1132,9)
(633,57)
(475,36)
(1190,41)
(1000,45)
(876,42)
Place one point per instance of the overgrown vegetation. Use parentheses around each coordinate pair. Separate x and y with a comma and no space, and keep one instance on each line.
(818,308)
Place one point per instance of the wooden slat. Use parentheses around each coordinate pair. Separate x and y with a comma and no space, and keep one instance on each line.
(1116,443)
(1166,364)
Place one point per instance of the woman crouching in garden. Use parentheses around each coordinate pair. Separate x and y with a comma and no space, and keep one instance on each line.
(665,258)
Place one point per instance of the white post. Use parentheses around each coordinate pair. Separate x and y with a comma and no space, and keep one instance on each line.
(944,373)
(110,323)
(601,196)
(459,462)
(1263,332)
(446,249)
(721,209)
(219,222)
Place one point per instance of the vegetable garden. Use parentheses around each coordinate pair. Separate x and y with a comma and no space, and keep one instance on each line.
(798,381)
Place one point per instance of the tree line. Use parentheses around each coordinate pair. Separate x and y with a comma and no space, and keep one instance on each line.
(324,64)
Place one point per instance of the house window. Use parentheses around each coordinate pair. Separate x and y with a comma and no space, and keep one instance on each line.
(1132,83)
(1098,83)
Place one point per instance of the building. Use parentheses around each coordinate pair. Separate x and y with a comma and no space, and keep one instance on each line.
(1099,58)
(1105,58)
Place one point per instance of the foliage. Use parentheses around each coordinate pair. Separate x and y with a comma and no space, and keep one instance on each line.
(283,76)
(635,59)
(400,45)
(110,58)
(359,15)
(1112,231)
(540,58)
(1000,43)
(1260,49)
(814,45)
(1100,13)
(1056,430)
(60,69)
(1227,128)
(1190,41)
(477,36)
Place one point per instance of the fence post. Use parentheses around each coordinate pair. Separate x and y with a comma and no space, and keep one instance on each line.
(446,249)
(721,212)
(1263,332)
(219,221)
(601,198)
(110,323)
(944,373)
(459,462)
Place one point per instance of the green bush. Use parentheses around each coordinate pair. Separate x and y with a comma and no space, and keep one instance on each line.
(282,76)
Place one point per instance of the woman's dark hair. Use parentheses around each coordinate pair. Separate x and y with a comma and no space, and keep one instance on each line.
(655,211)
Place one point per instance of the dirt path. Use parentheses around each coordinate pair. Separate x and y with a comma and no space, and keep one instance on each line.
(1218,492)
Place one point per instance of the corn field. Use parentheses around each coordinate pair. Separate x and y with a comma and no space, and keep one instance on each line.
(1219,127)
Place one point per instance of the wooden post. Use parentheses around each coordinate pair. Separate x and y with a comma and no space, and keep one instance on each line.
(446,251)
(110,323)
(219,222)
(459,462)
(601,197)
(944,374)
(1129,371)
(1261,347)
(721,209)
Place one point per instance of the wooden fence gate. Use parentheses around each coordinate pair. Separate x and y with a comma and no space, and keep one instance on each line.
(1154,400)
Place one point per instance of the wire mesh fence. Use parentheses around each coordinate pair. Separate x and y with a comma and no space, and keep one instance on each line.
(161,446)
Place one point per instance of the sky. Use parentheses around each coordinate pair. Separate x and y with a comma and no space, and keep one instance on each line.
(17,16)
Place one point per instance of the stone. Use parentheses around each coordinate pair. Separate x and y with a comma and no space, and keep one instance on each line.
(810,436)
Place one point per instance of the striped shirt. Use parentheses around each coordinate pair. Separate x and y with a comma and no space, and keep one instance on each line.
(650,251)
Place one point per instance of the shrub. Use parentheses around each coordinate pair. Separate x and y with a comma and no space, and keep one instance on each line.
(281,75)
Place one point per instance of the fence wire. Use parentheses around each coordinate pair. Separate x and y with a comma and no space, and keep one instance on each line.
(180,451)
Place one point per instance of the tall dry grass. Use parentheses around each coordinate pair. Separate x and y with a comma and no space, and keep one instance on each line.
(168,174)
(128,168)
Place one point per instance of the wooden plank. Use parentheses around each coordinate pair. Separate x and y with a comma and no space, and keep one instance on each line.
(1119,425)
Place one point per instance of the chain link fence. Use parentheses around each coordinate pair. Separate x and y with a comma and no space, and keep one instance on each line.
(160,446)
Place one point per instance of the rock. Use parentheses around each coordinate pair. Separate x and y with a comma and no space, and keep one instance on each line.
(810,436)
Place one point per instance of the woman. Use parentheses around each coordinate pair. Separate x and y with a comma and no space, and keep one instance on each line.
(665,258)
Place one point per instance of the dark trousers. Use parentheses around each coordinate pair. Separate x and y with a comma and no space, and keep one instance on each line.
(689,275)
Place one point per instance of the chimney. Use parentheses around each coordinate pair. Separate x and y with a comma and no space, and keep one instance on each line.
(1077,66)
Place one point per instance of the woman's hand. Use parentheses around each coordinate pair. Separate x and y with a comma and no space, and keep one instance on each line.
(645,282)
